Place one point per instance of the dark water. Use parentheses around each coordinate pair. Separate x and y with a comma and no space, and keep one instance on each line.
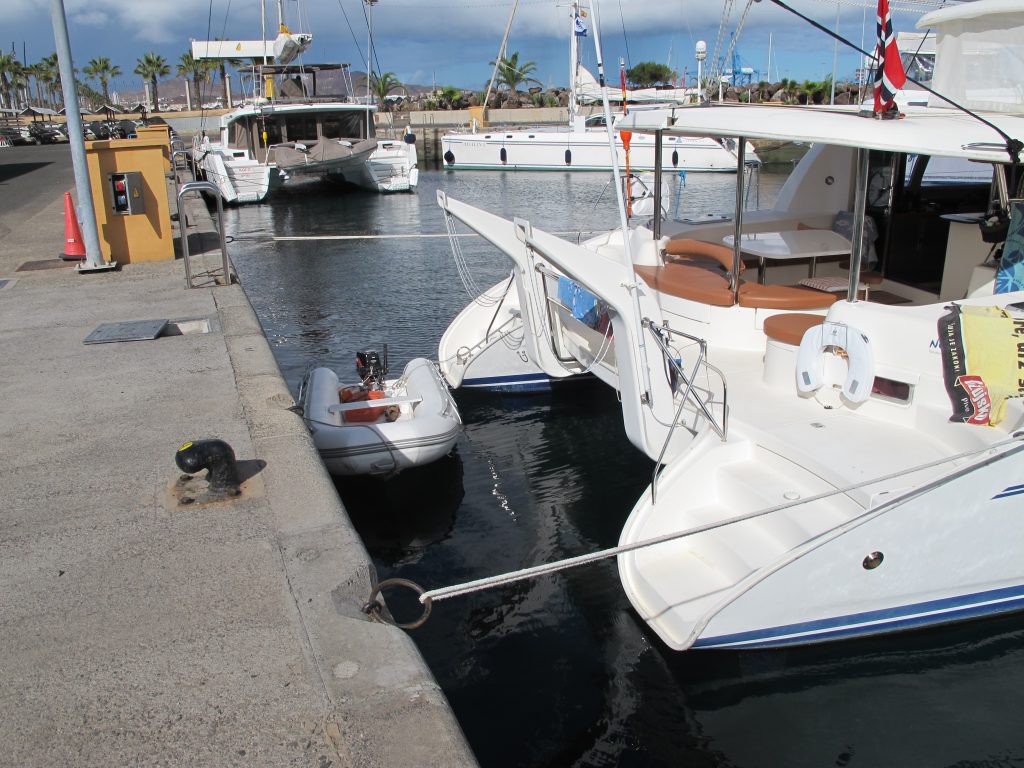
(557,671)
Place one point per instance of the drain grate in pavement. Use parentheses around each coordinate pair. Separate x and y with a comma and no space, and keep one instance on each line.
(131,330)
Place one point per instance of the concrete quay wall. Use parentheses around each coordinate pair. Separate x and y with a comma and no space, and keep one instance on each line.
(141,630)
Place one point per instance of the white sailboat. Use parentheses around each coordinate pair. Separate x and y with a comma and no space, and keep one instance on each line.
(581,145)
(826,474)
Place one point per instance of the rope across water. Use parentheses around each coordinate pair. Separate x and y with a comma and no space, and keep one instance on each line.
(427,597)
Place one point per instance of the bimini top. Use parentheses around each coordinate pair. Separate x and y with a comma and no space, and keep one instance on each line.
(943,132)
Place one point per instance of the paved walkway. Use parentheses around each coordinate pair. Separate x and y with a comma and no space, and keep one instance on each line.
(140,631)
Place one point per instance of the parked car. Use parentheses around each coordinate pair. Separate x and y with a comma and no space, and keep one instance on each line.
(17,135)
(45,133)
(87,132)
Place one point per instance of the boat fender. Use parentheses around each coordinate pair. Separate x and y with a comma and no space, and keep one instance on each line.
(449,157)
(503,155)
(410,137)
(675,158)
(215,456)
(841,339)
(568,157)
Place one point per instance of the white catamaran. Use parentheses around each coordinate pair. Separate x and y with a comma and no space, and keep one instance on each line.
(289,134)
(829,463)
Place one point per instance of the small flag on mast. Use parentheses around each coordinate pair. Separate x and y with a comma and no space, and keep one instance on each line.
(580,27)
(890,76)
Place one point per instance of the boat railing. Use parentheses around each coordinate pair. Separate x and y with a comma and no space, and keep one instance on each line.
(701,402)
(554,304)
(466,353)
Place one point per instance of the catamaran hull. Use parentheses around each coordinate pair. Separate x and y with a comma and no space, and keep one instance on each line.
(483,349)
(240,180)
(935,555)
(574,151)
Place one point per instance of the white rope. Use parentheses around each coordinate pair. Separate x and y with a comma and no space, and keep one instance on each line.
(462,267)
(443,593)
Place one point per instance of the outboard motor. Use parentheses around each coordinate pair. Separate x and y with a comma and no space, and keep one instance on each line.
(370,368)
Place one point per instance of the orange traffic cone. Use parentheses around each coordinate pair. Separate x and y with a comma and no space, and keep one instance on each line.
(74,248)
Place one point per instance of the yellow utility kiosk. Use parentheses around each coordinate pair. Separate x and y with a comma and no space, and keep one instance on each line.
(129,194)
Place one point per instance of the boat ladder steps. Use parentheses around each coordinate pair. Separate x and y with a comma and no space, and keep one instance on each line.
(736,550)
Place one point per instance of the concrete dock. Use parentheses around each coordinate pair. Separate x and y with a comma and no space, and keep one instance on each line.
(140,629)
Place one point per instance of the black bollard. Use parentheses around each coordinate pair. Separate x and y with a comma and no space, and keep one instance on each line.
(217,457)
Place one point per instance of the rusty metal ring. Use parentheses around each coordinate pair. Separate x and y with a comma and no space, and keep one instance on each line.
(374,606)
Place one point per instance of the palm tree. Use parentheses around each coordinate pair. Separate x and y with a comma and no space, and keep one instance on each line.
(151,67)
(9,65)
(19,83)
(103,71)
(48,71)
(449,96)
(383,86)
(196,69)
(513,74)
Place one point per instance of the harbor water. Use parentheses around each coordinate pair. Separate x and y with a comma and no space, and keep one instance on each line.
(558,671)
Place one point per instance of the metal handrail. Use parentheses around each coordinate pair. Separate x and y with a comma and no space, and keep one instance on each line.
(689,395)
(175,154)
(203,186)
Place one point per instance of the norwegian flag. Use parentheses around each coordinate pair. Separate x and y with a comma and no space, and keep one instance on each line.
(890,76)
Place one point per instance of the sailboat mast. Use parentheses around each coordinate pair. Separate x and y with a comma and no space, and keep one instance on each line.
(501,53)
(369,63)
(574,66)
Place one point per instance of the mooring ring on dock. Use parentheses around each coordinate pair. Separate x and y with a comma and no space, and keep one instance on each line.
(374,607)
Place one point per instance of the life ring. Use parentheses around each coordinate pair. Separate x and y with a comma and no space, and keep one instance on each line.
(830,338)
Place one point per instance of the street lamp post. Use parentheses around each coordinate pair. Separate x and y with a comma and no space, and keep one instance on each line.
(90,234)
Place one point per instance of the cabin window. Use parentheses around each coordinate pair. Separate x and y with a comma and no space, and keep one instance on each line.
(273,129)
(300,128)
(890,389)
(331,127)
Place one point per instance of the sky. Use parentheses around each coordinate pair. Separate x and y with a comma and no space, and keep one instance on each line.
(451,42)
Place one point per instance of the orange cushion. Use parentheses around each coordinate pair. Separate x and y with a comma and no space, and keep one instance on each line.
(688,282)
(687,248)
(783,297)
(790,327)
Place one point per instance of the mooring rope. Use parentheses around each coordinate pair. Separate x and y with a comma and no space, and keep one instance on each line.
(426,597)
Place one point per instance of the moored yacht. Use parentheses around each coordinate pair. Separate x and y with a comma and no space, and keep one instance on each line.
(837,454)
(293,135)
(582,144)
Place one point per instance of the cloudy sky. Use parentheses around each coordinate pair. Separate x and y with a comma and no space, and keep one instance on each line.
(450,42)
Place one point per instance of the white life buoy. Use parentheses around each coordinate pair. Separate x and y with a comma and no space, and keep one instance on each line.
(860,361)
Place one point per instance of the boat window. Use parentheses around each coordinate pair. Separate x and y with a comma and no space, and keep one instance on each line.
(890,389)
(909,197)
(949,170)
(273,128)
(300,127)
(595,121)
(919,66)
(330,125)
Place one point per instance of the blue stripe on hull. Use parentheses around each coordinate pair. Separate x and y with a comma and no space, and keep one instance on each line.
(914,616)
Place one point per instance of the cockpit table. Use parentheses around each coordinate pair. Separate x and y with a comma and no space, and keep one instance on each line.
(792,244)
